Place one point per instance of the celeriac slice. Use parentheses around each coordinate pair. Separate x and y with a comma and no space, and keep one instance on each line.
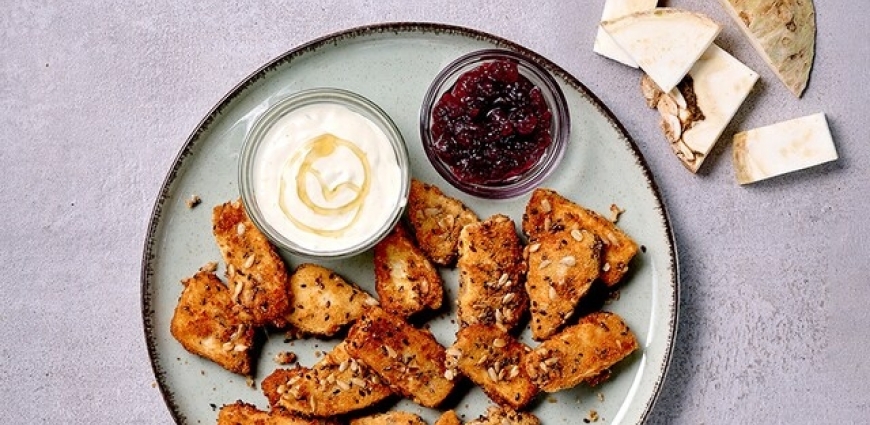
(782,148)
(664,42)
(783,32)
(613,9)
(694,119)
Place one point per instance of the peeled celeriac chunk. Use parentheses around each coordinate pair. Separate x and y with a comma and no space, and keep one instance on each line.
(614,9)
(664,42)
(783,32)
(695,113)
(783,148)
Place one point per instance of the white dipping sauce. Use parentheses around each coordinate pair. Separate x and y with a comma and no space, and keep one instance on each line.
(326,177)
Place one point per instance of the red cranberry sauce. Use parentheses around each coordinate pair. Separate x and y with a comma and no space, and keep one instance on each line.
(492,126)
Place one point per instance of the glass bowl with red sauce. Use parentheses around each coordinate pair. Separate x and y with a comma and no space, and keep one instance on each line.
(494,124)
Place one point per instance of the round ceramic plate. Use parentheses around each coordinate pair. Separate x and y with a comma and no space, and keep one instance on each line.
(393,64)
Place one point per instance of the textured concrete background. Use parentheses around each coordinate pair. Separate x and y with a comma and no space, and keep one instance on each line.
(97,97)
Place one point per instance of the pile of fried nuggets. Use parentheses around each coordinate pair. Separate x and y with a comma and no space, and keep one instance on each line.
(500,280)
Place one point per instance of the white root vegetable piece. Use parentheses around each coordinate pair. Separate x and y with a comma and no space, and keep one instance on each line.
(695,113)
(783,32)
(614,9)
(664,42)
(783,148)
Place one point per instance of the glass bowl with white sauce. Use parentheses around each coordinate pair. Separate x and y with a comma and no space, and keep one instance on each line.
(324,173)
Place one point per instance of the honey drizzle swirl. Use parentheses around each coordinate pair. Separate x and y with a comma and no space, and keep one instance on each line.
(317,148)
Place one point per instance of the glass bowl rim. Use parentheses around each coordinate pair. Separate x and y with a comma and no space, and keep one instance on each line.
(560,127)
(318,95)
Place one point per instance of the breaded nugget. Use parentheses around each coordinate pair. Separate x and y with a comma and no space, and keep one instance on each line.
(548,211)
(405,279)
(448,418)
(562,266)
(492,359)
(437,219)
(394,417)
(505,416)
(409,360)
(323,302)
(240,413)
(337,384)
(490,271)
(256,274)
(205,324)
(580,352)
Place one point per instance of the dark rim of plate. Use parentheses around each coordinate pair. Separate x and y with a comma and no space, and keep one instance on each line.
(147,273)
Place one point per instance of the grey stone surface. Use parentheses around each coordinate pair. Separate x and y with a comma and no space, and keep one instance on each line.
(97,97)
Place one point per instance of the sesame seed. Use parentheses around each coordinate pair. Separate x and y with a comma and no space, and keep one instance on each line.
(312,403)
(534,247)
(492,374)
(293,380)
(577,235)
(515,371)
(482,359)
(508,315)
(543,366)
(343,385)
(249,262)
(228,346)
(503,279)
(237,290)
(240,347)
(390,352)
(231,270)
(448,374)
(547,223)
(544,264)
(281,389)
(343,366)
(508,298)
(354,367)
(545,206)
(209,267)
(606,267)
(240,229)
(498,343)
(553,293)
(499,317)
(371,301)
(533,373)
(453,352)
(551,361)
(358,382)
(568,260)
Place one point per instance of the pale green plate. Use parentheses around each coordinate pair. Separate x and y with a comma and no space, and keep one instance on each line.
(393,64)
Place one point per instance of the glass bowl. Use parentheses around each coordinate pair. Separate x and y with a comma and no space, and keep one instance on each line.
(545,164)
(324,173)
